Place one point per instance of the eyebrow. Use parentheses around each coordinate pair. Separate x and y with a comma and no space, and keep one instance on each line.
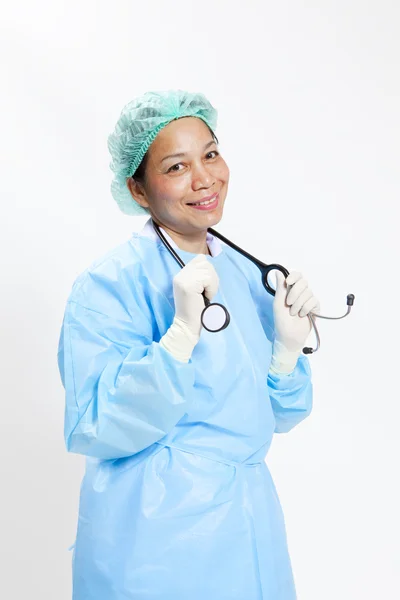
(183,153)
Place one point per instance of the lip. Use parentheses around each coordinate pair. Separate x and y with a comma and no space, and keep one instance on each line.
(210,206)
(205,198)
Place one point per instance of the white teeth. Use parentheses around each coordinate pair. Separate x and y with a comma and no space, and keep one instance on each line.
(203,203)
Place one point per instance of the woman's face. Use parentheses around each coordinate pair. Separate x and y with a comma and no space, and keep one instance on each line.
(172,184)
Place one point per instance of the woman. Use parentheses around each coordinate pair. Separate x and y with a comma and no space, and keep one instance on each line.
(177,502)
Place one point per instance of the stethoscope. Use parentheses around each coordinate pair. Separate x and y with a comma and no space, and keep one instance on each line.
(215,317)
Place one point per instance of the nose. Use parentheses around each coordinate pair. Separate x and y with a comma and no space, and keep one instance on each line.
(201,176)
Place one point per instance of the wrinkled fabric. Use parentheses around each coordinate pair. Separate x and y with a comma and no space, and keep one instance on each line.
(177,502)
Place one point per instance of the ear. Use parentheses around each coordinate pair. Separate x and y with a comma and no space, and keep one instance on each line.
(137,191)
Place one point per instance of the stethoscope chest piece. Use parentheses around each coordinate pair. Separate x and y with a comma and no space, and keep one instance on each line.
(215,317)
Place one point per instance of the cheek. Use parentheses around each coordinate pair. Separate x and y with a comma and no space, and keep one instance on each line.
(223,172)
(169,192)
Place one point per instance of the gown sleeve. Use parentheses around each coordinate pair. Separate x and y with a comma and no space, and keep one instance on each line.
(123,390)
(291,394)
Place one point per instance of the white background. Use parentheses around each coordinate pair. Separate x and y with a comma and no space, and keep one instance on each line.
(308,95)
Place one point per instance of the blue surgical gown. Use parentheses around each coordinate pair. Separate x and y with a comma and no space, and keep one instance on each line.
(177,502)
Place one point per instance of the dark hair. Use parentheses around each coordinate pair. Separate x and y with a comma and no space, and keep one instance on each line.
(140,173)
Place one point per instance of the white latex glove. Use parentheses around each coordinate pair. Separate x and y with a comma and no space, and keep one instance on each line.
(197,276)
(292,302)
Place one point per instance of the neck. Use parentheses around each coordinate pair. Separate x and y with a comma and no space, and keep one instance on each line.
(195,243)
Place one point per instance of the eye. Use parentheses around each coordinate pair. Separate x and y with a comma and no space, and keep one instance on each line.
(172,169)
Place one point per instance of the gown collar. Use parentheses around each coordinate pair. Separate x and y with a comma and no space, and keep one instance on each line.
(213,243)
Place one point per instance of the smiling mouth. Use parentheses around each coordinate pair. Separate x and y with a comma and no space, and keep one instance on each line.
(204,202)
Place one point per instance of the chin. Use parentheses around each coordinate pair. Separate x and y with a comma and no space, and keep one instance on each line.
(214,219)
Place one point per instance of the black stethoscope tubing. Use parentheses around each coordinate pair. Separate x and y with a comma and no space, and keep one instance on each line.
(265,270)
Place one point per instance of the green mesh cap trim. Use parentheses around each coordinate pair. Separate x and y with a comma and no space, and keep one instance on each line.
(138,125)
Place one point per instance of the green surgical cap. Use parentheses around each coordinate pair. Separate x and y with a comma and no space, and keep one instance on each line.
(139,122)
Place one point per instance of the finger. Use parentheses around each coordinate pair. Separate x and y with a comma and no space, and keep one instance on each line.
(293,277)
(199,259)
(308,306)
(211,285)
(296,290)
(280,291)
(197,262)
(316,308)
(300,301)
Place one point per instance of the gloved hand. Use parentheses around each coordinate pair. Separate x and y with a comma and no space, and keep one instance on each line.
(292,302)
(197,276)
